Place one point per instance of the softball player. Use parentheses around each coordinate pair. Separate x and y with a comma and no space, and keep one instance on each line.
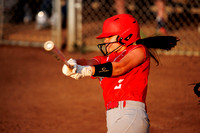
(123,74)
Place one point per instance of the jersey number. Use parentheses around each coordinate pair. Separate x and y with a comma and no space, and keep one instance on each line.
(119,85)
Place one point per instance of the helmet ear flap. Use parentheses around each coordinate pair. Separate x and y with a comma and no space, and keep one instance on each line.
(125,37)
(119,39)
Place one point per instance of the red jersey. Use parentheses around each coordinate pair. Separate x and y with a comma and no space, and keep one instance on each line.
(129,86)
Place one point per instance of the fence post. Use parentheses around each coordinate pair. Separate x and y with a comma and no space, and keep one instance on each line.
(79,22)
(56,29)
(71,26)
(1,19)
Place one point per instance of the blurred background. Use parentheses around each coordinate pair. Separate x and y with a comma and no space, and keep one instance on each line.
(35,97)
(73,24)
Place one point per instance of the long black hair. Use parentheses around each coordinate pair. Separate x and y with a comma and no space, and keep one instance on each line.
(158,42)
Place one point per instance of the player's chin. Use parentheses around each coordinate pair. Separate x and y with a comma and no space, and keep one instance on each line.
(109,49)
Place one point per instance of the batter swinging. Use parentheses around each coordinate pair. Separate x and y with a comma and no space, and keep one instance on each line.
(123,74)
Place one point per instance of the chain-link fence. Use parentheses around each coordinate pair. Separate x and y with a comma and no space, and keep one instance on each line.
(30,22)
(21,21)
(181,20)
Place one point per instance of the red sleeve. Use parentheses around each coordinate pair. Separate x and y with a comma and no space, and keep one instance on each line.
(99,59)
(146,51)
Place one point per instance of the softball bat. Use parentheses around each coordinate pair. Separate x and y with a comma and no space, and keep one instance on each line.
(50,47)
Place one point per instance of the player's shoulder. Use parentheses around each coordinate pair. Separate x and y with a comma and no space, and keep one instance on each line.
(139,48)
(132,47)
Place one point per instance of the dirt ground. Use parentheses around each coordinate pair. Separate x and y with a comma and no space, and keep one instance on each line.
(35,97)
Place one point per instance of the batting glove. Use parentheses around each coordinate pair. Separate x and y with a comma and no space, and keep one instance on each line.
(66,70)
(82,71)
(76,76)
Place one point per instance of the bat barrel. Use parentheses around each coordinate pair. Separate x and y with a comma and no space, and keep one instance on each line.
(49,45)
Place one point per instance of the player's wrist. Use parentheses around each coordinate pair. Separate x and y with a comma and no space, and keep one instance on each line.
(103,70)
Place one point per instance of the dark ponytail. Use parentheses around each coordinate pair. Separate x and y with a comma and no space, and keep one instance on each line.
(153,55)
(158,42)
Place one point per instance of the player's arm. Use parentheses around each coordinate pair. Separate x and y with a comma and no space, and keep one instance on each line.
(85,62)
(91,67)
(131,60)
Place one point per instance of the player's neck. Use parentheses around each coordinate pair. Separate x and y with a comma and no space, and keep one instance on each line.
(121,49)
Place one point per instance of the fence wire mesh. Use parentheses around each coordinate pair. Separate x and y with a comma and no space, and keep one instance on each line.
(28,22)
(20,20)
(181,19)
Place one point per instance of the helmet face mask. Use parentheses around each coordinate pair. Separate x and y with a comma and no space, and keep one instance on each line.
(123,25)
(103,48)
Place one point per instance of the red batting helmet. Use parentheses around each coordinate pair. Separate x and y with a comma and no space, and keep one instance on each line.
(123,25)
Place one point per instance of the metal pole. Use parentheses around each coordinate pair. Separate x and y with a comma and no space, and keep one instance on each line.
(1,18)
(71,25)
(56,29)
(79,22)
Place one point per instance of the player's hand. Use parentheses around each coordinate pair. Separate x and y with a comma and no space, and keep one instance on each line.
(72,63)
(82,71)
(78,71)
(76,76)
(66,70)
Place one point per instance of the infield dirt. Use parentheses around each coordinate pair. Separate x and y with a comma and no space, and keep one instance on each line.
(35,97)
